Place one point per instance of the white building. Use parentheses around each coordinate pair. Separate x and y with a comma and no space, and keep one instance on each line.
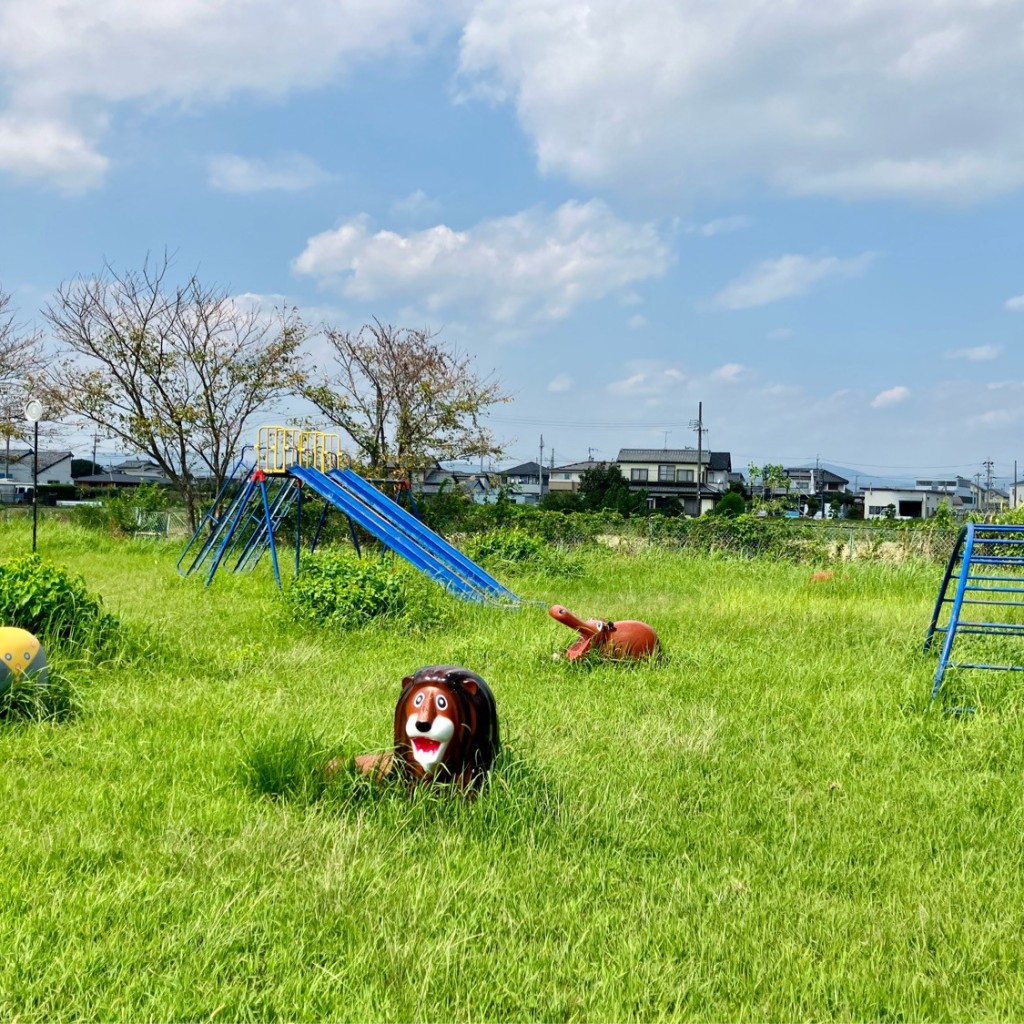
(53,467)
(953,487)
(902,502)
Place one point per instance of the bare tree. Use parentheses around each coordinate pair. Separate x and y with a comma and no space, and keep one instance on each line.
(174,372)
(21,357)
(406,399)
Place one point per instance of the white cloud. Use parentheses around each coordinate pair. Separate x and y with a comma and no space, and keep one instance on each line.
(532,265)
(721,226)
(648,379)
(563,382)
(286,172)
(47,148)
(997,418)
(855,98)
(416,205)
(61,58)
(728,373)
(785,277)
(780,334)
(637,322)
(976,354)
(890,397)
(1016,303)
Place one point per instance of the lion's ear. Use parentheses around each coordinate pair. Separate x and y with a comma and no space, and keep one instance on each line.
(461,679)
(406,681)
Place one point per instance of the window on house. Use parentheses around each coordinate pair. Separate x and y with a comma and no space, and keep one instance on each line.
(684,475)
(666,474)
(638,475)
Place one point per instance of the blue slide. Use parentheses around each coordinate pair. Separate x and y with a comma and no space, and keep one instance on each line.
(403,533)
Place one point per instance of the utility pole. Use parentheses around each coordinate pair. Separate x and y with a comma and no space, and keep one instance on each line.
(698,425)
(540,470)
(664,444)
(988,480)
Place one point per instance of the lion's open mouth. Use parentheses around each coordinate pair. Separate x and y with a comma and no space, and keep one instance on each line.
(424,746)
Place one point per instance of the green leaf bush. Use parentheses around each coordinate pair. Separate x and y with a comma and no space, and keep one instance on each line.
(336,587)
(516,550)
(50,602)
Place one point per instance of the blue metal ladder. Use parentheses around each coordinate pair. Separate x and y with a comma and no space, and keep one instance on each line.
(986,571)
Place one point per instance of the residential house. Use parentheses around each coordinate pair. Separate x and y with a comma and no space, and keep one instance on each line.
(482,487)
(132,473)
(697,480)
(808,480)
(526,483)
(992,499)
(567,478)
(18,466)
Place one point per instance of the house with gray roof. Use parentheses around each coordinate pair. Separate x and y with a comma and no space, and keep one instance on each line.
(696,479)
(16,466)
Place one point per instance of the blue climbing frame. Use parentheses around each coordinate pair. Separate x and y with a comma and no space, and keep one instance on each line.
(986,572)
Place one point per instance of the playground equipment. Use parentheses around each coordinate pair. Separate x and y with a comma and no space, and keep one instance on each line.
(266,485)
(986,571)
(446,730)
(21,656)
(620,640)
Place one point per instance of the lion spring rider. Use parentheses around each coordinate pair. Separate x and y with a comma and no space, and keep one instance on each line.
(446,729)
(620,640)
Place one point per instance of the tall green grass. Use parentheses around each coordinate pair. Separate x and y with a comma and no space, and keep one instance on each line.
(771,823)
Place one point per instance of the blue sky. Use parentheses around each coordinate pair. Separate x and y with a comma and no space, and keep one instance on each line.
(806,216)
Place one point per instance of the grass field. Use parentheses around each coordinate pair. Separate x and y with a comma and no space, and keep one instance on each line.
(770,824)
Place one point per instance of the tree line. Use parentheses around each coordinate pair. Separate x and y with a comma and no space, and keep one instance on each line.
(177,371)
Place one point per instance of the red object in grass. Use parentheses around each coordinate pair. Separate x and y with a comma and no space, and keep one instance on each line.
(624,639)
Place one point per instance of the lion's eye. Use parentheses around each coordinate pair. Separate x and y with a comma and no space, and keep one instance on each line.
(442,702)
(418,700)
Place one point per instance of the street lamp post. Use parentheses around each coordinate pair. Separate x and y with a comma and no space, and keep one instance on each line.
(34,413)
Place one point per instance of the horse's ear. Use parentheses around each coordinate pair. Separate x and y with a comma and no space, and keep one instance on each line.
(469,685)
(406,681)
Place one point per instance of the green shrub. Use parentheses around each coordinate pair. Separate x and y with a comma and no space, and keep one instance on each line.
(732,504)
(50,602)
(518,550)
(131,509)
(340,588)
(91,517)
